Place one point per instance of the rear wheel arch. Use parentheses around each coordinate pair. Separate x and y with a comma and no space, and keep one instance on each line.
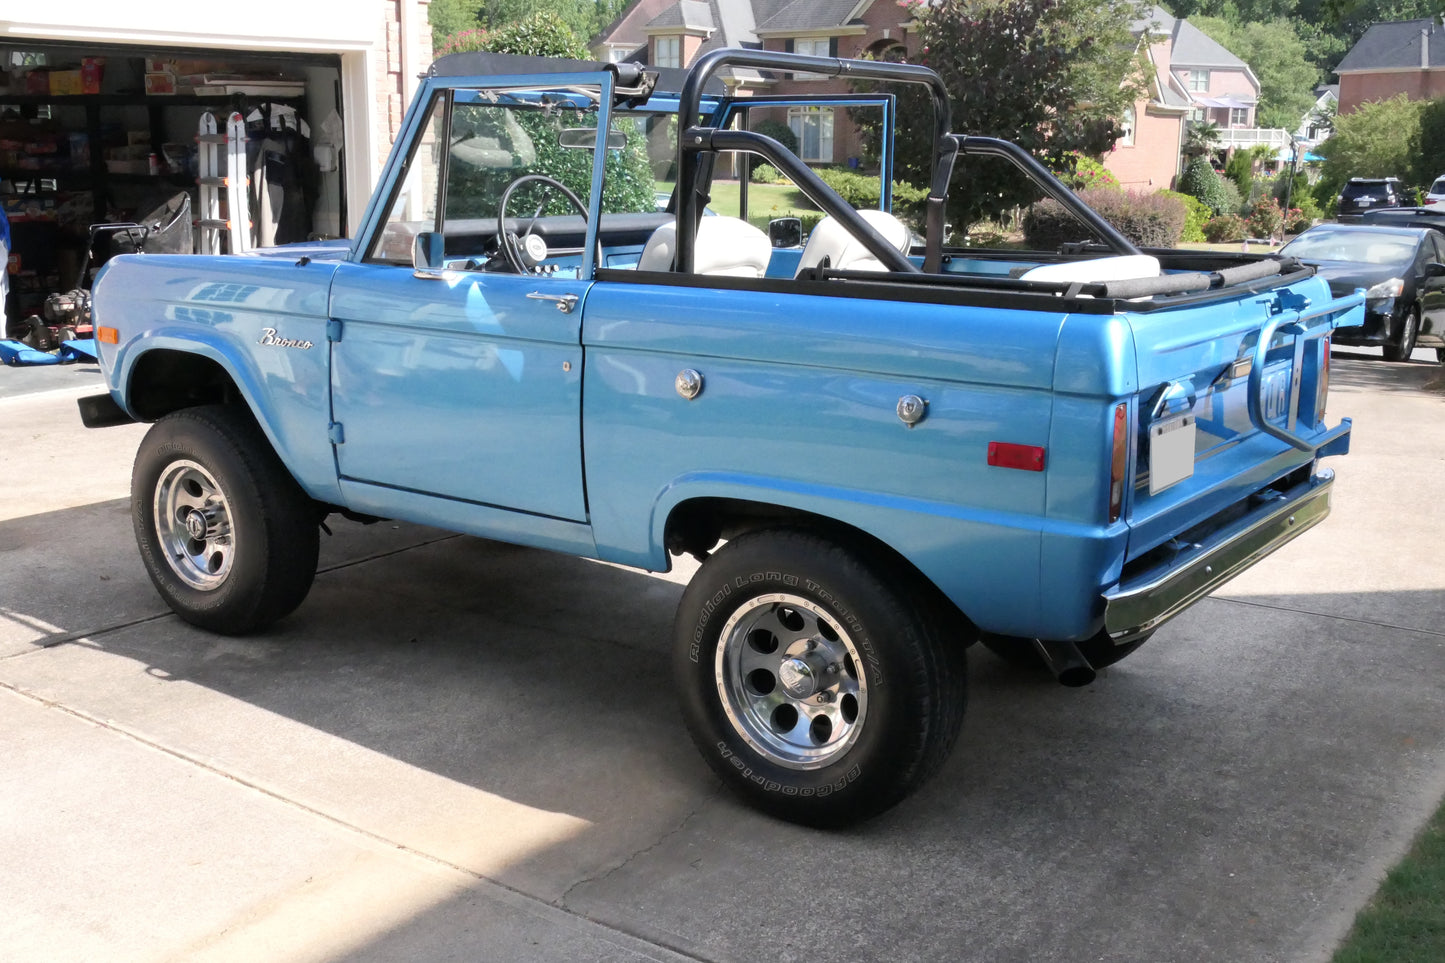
(696,526)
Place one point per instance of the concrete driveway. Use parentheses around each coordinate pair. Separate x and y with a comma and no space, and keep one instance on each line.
(463,750)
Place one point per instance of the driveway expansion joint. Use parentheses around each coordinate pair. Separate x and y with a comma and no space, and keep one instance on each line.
(1328,615)
(561,901)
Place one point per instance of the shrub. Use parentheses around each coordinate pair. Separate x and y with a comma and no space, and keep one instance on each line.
(1148,220)
(1266,219)
(1200,181)
(1233,200)
(1224,228)
(1195,216)
(765,174)
(861,191)
(1080,172)
(1240,169)
(779,132)
(1296,221)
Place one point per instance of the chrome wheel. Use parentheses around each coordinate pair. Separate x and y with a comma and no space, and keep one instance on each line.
(791,681)
(193,523)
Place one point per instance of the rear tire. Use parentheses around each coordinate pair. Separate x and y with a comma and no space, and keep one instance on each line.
(1405,346)
(227,536)
(818,689)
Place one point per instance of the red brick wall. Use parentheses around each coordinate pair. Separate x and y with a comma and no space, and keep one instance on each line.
(391,86)
(1357,89)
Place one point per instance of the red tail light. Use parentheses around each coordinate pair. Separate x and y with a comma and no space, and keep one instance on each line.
(1119,463)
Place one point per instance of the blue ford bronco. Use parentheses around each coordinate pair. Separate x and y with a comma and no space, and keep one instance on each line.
(881,447)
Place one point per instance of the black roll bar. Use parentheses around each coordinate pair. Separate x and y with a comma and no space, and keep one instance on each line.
(1044,178)
(693,141)
(711,139)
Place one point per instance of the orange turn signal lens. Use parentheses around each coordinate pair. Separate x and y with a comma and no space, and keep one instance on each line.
(1118,462)
(107,335)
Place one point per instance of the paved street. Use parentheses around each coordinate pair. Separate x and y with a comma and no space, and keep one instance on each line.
(462,750)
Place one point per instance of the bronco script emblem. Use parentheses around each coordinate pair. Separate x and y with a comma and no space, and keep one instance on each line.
(268,337)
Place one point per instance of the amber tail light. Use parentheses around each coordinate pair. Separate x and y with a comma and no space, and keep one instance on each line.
(1324,392)
(1119,463)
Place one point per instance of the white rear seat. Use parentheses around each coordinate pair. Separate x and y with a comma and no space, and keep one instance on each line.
(845,252)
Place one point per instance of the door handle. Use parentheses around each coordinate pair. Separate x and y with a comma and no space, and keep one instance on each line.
(565,302)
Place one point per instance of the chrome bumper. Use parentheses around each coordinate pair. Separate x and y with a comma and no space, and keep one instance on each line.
(1156,596)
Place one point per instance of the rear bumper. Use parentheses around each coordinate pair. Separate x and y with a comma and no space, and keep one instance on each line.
(1150,598)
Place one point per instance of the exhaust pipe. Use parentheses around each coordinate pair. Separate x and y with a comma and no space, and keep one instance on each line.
(1066,662)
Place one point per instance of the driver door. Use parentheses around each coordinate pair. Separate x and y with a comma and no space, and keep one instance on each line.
(465,381)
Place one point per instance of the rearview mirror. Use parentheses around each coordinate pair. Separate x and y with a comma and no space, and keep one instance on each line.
(786,232)
(1434,269)
(585,138)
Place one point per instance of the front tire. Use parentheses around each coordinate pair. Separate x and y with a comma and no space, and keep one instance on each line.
(228,538)
(1405,346)
(818,690)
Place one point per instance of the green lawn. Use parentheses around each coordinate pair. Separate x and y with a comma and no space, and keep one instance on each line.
(1405,921)
(765,201)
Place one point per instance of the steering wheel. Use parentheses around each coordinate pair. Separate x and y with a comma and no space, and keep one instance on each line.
(511,247)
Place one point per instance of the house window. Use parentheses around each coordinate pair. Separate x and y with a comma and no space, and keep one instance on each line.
(1199,115)
(617,54)
(667,51)
(1126,129)
(811,46)
(813,126)
(1238,116)
(1198,80)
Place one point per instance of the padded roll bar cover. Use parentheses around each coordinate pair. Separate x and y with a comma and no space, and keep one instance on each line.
(1250,272)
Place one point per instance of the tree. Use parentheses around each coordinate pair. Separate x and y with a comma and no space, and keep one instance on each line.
(451,17)
(1201,138)
(1049,75)
(1277,56)
(1428,147)
(1373,140)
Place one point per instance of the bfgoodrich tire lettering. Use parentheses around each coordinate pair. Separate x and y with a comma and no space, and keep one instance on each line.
(818,690)
(228,538)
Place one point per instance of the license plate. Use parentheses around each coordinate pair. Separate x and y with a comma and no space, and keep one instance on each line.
(1171,452)
(1363,201)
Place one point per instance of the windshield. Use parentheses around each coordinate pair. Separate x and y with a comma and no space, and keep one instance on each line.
(1361,246)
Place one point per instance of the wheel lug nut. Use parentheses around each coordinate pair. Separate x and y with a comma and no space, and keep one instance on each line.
(825,697)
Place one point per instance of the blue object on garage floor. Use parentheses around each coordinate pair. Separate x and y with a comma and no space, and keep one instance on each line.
(82,349)
(19,353)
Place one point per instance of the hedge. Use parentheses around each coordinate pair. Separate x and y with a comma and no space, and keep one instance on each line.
(1148,220)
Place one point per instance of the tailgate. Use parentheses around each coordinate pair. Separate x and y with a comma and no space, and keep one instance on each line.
(1231,398)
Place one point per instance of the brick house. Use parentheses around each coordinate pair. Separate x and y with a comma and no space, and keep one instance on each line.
(1402,57)
(674,32)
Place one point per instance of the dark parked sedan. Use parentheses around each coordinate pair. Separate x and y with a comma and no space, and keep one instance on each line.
(1406,217)
(1402,270)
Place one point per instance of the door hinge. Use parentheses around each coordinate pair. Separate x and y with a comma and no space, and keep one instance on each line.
(333,330)
(335,433)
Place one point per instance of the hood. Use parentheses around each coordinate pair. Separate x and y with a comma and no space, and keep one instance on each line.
(1345,276)
(315,250)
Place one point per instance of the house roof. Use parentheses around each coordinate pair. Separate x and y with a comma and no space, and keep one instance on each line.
(1191,47)
(808,14)
(1396,45)
(685,15)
